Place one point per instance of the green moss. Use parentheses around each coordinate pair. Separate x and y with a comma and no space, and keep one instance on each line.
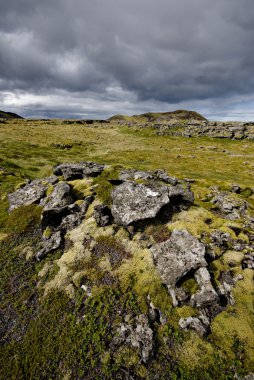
(103,186)
(47,233)
(246,193)
(186,311)
(49,190)
(81,187)
(190,286)
(23,219)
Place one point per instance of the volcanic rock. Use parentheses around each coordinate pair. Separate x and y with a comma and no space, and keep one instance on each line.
(177,256)
(71,171)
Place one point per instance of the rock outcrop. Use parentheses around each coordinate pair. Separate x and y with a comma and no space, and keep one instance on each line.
(139,199)
(73,171)
(133,202)
(219,130)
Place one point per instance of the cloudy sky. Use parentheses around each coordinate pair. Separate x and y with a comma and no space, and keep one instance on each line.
(96,58)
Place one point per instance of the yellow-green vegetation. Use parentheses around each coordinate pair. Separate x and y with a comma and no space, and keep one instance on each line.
(103,186)
(53,328)
(235,326)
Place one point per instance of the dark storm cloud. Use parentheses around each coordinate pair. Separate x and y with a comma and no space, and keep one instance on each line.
(168,51)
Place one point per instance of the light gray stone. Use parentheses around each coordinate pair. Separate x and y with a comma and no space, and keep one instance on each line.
(207,295)
(133,202)
(51,244)
(32,193)
(178,255)
(138,334)
(60,197)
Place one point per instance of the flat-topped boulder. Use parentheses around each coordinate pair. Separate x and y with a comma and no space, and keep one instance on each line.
(71,171)
(132,202)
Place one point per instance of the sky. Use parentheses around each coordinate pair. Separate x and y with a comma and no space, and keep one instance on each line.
(97,58)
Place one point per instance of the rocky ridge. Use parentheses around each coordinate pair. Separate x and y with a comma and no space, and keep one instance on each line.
(220,130)
(142,202)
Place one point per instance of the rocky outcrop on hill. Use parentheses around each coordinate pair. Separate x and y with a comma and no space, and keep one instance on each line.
(222,130)
(140,217)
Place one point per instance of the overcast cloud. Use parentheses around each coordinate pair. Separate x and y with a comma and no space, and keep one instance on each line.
(95,58)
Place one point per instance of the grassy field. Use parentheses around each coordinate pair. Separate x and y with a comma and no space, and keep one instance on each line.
(30,148)
(74,345)
(34,146)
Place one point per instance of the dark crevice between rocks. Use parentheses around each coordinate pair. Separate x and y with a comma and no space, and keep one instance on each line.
(154,322)
(116,182)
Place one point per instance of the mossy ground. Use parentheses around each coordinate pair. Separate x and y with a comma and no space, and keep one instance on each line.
(50,333)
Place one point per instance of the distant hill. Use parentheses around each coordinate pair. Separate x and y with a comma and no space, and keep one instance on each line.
(9,115)
(178,115)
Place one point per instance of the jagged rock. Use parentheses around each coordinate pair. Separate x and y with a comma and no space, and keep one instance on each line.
(207,295)
(138,334)
(60,197)
(226,284)
(56,206)
(228,130)
(185,196)
(162,175)
(221,239)
(30,194)
(53,217)
(133,202)
(102,215)
(132,174)
(178,295)
(76,215)
(200,324)
(71,171)
(248,261)
(49,245)
(231,207)
(236,188)
(67,217)
(177,256)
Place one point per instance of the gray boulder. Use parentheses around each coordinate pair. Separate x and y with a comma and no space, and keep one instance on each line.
(248,261)
(32,193)
(207,295)
(76,215)
(162,176)
(200,324)
(232,207)
(56,205)
(177,256)
(133,202)
(60,197)
(71,171)
(102,215)
(49,245)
